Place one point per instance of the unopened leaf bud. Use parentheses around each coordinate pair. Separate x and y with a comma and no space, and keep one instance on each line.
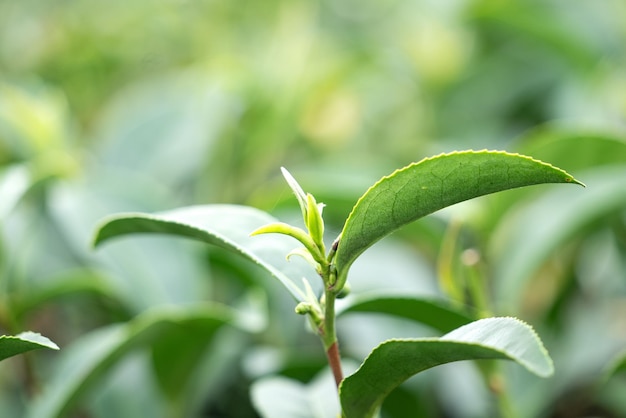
(303,308)
(314,221)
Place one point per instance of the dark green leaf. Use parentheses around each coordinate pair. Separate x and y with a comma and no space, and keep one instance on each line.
(22,343)
(394,361)
(432,184)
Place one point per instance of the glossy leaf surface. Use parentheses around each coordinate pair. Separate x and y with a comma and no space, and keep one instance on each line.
(22,343)
(227,226)
(394,361)
(432,184)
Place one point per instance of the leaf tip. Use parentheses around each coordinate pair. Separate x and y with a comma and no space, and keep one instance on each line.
(97,238)
(37,338)
(570,179)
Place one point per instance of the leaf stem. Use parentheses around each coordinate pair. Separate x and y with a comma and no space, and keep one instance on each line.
(329,335)
(334,361)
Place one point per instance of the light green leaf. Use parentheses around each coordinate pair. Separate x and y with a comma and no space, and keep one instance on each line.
(394,361)
(92,355)
(437,314)
(227,226)
(26,341)
(432,184)
(297,190)
(294,232)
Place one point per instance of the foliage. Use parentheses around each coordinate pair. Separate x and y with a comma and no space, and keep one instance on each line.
(397,199)
(107,107)
(22,343)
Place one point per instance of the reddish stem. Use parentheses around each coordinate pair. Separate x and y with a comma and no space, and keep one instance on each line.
(335,363)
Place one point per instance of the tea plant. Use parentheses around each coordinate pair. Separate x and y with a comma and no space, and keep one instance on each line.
(396,200)
(12,345)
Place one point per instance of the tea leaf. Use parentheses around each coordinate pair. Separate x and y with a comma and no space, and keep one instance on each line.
(26,341)
(394,361)
(227,226)
(432,184)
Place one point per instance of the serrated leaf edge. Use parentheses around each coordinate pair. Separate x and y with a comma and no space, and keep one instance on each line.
(568,177)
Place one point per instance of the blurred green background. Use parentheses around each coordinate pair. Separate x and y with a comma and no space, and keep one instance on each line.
(141,105)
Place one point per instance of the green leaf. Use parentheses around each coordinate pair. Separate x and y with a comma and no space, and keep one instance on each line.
(297,190)
(26,341)
(432,184)
(93,355)
(394,361)
(227,226)
(294,232)
(314,221)
(437,314)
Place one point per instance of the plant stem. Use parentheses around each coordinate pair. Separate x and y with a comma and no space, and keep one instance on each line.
(329,336)
(497,384)
(505,406)
(335,362)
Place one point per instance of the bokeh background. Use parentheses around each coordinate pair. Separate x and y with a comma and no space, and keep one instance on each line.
(148,105)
